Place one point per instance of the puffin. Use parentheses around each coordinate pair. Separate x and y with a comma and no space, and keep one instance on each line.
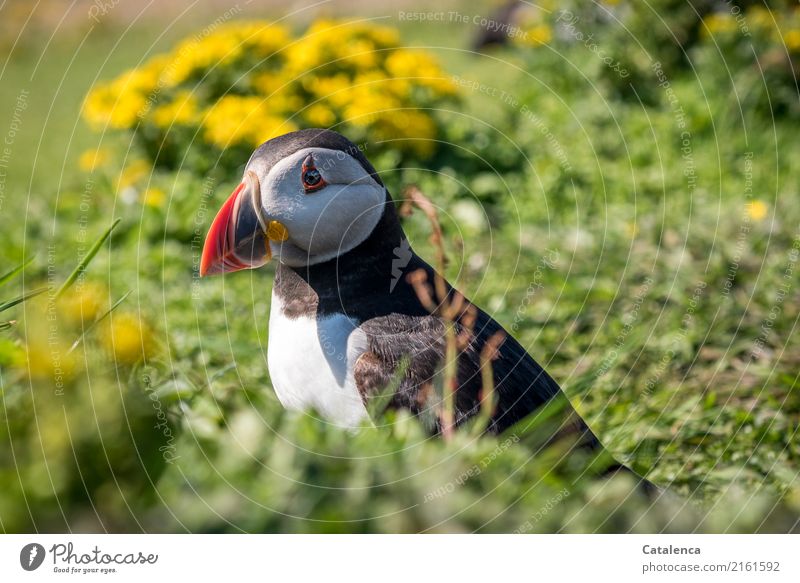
(345,321)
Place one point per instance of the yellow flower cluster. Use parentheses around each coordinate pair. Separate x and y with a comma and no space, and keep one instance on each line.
(89,160)
(539,34)
(62,333)
(183,109)
(83,303)
(244,83)
(761,17)
(781,27)
(127,338)
(719,24)
(792,40)
(535,27)
(242,119)
(135,172)
(122,102)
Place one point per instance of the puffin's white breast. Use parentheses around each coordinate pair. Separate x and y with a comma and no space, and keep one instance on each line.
(311,364)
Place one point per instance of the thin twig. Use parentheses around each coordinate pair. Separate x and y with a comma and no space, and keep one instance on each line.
(488,400)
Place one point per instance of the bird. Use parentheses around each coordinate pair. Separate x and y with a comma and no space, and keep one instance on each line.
(499,28)
(343,320)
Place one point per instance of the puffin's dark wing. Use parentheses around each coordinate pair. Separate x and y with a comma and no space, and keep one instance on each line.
(390,339)
(522,386)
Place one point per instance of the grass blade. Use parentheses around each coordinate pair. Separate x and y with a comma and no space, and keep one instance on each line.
(97,321)
(7,325)
(8,276)
(85,261)
(11,303)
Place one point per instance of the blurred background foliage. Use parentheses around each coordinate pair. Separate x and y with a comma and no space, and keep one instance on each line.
(617,187)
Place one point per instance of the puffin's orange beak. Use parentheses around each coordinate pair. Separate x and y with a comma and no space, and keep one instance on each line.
(238,238)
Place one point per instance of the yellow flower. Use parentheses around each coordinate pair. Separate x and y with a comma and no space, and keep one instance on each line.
(113,105)
(718,23)
(365,102)
(334,45)
(262,38)
(154,197)
(182,110)
(83,302)
(420,67)
(242,120)
(400,88)
(142,80)
(47,342)
(91,159)
(384,37)
(199,54)
(49,360)
(133,173)
(128,339)
(221,47)
(284,103)
(540,34)
(97,106)
(302,57)
(414,130)
(319,116)
(329,86)
(760,17)
(757,210)
(341,31)
(409,63)
(360,54)
(124,100)
(155,69)
(792,40)
(268,83)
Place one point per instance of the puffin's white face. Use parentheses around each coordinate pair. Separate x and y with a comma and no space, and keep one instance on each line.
(326,200)
(309,207)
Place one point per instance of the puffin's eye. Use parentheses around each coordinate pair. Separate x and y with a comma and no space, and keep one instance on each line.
(311,177)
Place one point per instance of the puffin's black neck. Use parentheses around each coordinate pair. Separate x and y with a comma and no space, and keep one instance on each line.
(352,282)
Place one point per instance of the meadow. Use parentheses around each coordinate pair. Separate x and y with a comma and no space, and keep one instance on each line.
(616,186)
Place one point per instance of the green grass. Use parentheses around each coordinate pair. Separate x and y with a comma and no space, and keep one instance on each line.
(648,312)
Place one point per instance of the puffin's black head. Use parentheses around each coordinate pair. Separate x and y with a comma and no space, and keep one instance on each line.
(306,197)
